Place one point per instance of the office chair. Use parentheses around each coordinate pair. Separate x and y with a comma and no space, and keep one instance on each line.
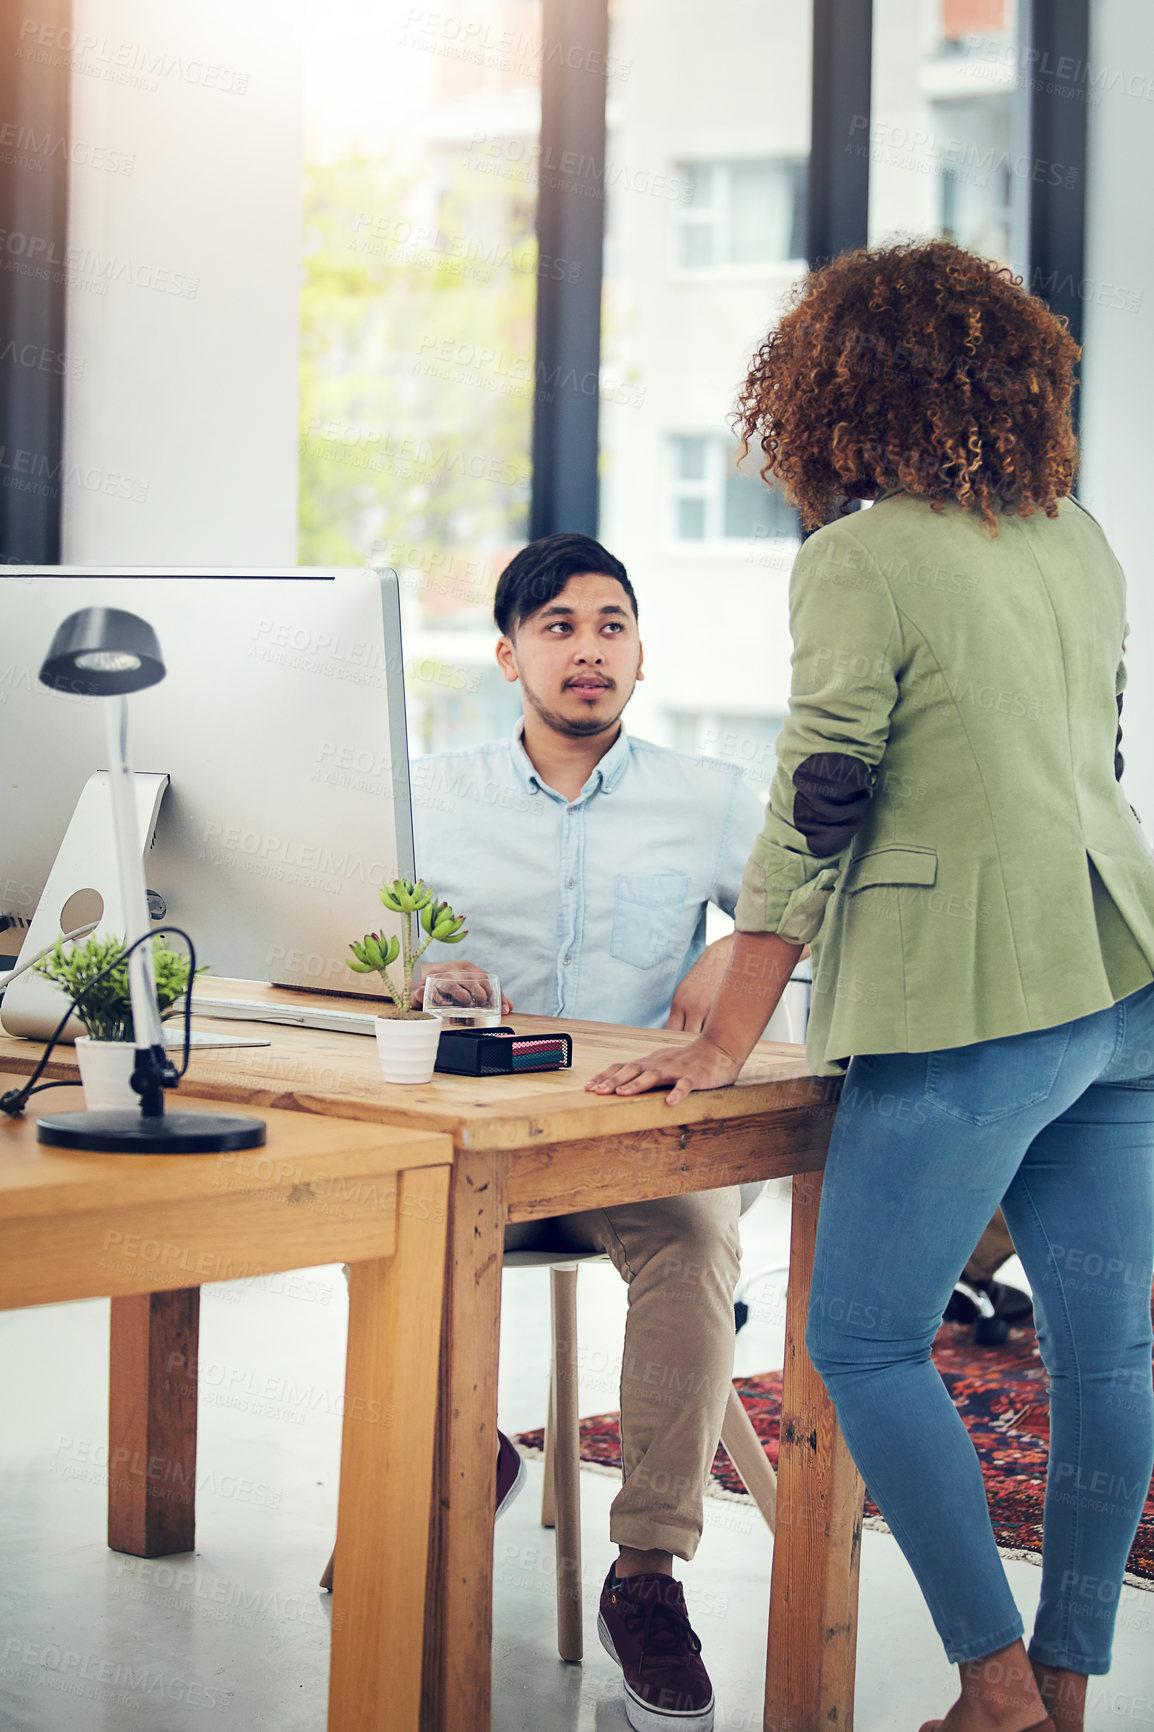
(561,1499)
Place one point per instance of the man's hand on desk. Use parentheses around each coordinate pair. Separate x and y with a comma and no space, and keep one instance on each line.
(461,995)
(698,1066)
(693,1000)
(696,993)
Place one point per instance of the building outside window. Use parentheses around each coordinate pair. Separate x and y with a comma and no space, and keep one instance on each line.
(718,119)
(947,138)
(742,213)
(714,500)
(976,181)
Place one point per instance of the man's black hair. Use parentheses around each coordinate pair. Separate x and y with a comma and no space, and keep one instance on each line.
(537,575)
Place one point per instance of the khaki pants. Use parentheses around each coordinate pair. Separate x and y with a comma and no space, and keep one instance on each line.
(680,1257)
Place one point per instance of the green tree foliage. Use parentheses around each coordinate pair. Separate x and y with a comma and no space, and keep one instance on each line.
(417,309)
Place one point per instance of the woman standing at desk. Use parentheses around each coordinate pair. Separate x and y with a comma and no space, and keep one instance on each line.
(946,828)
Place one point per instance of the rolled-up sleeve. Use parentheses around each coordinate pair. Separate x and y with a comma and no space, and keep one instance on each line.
(1119,689)
(847,649)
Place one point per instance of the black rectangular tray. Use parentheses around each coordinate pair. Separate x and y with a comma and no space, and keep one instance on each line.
(501,1052)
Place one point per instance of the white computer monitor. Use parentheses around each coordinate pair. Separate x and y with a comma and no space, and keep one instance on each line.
(281,727)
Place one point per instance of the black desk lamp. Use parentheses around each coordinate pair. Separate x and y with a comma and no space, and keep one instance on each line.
(103,652)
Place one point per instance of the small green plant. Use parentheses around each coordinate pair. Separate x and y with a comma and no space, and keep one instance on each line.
(417,906)
(106,1009)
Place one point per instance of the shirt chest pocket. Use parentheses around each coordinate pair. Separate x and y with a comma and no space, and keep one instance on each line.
(648,930)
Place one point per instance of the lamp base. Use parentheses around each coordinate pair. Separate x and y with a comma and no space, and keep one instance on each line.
(125,1132)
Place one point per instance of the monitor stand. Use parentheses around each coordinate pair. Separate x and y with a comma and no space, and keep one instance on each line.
(85,863)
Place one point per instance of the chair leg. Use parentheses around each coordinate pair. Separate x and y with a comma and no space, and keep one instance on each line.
(548,1490)
(566,1462)
(743,1447)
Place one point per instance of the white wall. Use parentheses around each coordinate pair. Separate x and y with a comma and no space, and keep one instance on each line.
(1118,361)
(181,424)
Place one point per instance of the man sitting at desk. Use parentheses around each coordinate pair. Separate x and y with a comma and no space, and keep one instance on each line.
(585,861)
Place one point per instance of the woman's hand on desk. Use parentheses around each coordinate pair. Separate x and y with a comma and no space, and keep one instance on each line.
(760,963)
(701,1065)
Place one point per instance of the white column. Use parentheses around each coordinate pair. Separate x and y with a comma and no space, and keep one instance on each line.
(184,273)
(1118,364)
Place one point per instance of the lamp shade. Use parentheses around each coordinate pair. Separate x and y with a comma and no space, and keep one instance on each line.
(100,652)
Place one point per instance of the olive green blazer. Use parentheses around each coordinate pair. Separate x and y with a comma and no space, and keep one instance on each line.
(945,826)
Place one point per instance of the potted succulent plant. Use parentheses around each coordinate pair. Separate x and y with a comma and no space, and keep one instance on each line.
(105,1052)
(406,1038)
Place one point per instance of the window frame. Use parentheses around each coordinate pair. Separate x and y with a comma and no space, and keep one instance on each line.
(565,444)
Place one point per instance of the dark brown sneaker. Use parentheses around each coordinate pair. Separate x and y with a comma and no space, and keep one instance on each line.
(644,1625)
(511,1476)
(511,1473)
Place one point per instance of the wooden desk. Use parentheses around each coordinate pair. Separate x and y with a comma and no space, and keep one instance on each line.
(147,1230)
(528,1147)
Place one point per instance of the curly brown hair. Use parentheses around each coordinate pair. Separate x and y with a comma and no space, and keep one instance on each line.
(921,367)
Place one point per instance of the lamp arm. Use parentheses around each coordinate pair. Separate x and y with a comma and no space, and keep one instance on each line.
(130,865)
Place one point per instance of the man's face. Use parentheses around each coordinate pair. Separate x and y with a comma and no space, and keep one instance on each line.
(578,658)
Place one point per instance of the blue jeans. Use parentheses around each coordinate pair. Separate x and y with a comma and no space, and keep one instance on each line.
(1057,1126)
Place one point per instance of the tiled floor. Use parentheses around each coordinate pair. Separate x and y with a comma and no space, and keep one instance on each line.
(238,1633)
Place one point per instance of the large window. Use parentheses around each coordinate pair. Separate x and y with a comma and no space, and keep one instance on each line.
(419,376)
(417,322)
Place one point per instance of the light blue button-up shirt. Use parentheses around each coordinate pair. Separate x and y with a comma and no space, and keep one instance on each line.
(592,908)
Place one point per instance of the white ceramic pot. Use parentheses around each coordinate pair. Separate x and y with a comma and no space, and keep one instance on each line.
(106,1068)
(407,1046)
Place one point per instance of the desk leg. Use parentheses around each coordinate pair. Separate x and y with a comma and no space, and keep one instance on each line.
(458,1654)
(817,1547)
(152,1423)
(383,1518)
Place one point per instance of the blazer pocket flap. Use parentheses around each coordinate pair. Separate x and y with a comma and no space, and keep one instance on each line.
(891,866)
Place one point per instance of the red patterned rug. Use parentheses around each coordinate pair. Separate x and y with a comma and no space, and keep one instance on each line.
(1001,1394)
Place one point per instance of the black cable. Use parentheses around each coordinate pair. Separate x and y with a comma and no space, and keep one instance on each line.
(14,1102)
